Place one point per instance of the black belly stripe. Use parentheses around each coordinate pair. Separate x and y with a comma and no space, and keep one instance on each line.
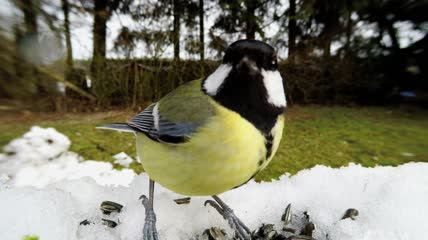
(258,170)
(268,145)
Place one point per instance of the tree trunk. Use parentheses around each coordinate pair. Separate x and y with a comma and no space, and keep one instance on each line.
(251,19)
(99,31)
(27,47)
(69,60)
(201,30)
(292,30)
(176,30)
(30,16)
(99,43)
(392,32)
(348,34)
(327,39)
(327,46)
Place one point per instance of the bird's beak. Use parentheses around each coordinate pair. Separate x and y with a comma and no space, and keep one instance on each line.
(247,65)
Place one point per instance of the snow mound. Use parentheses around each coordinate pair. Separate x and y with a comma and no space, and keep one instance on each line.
(36,147)
(41,157)
(391,201)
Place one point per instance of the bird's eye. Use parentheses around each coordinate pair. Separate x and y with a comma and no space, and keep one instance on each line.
(273,64)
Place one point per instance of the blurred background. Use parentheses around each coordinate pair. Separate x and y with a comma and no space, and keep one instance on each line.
(355,72)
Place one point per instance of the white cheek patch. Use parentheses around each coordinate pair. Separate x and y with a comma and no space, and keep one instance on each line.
(275,90)
(216,79)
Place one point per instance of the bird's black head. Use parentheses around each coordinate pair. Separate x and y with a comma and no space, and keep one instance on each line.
(249,83)
(259,53)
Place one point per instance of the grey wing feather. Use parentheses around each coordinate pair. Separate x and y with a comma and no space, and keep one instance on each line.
(144,121)
(123,127)
(176,129)
(167,131)
(173,123)
(163,130)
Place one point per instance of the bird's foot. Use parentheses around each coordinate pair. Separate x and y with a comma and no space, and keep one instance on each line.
(241,231)
(149,230)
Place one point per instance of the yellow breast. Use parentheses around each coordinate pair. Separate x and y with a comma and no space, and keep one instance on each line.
(226,152)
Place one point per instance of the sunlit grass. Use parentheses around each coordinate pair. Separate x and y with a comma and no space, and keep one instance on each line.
(332,135)
(336,136)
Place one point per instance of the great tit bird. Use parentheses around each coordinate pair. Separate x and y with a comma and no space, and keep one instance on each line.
(212,135)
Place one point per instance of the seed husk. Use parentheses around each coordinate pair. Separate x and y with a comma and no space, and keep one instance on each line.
(351,213)
(109,223)
(108,207)
(286,217)
(185,200)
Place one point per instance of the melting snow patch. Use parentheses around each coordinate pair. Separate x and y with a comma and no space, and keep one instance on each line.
(391,202)
(36,147)
(41,157)
(122,159)
(407,154)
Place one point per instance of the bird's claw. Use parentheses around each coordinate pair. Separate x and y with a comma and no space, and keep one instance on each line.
(241,231)
(149,230)
(144,201)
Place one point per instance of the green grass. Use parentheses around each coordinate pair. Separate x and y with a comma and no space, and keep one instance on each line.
(327,135)
(336,136)
(30,237)
(89,142)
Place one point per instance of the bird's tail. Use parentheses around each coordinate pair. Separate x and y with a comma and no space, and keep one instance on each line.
(122,127)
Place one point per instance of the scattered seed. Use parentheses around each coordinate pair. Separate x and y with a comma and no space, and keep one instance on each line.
(290,230)
(109,223)
(214,233)
(265,232)
(185,200)
(286,217)
(350,213)
(308,229)
(85,222)
(108,207)
(300,237)
(306,214)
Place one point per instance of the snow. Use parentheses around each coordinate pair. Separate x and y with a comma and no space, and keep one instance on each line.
(41,157)
(122,159)
(49,199)
(35,147)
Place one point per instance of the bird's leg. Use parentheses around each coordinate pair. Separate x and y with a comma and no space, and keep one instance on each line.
(241,231)
(149,230)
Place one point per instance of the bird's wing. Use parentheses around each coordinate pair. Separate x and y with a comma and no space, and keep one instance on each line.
(176,116)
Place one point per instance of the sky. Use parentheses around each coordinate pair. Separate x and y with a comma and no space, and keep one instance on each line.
(81,31)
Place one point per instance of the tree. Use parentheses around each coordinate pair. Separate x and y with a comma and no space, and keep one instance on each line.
(176,28)
(244,17)
(292,29)
(237,19)
(28,42)
(163,21)
(102,10)
(125,42)
(327,13)
(99,30)
(201,30)
(69,57)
